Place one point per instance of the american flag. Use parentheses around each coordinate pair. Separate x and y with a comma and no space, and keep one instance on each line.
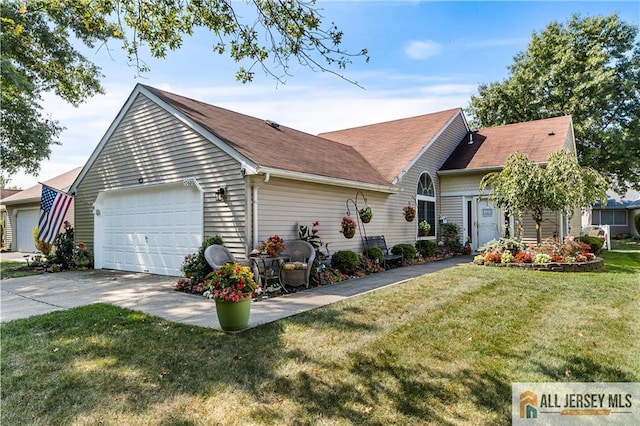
(53,207)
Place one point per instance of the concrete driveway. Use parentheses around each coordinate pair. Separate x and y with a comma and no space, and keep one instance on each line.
(155,294)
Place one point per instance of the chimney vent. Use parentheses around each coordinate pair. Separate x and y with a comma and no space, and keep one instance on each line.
(272,124)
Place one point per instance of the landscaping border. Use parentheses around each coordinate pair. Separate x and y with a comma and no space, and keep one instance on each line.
(588,266)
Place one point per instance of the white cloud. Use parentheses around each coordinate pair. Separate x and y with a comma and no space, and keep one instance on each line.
(422,49)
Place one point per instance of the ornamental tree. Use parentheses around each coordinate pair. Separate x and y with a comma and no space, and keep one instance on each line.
(38,52)
(589,68)
(560,185)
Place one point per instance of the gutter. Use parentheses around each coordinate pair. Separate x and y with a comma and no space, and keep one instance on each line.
(254,207)
(476,170)
(327,180)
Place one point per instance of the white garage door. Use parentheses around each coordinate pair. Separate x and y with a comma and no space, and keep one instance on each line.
(26,220)
(149,229)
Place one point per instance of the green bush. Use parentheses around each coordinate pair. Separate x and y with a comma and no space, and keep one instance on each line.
(595,243)
(196,264)
(407,251)
(63,247)
(375,254)
(513,245)
(450,231)
(345,261)
(426,248)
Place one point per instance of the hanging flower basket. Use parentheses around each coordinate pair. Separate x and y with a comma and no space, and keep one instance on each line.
(366,214)
(348,226)
(409,213)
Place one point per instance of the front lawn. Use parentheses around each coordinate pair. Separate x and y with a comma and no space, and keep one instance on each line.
(441,349)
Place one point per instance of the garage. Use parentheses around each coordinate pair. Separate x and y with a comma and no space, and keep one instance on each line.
(148,229)
(26,220)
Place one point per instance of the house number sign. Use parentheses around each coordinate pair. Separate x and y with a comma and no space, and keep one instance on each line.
(487,212)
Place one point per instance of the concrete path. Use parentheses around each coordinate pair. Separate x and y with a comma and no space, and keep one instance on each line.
(155,294)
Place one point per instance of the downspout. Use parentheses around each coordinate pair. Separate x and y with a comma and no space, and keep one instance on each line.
(254,202)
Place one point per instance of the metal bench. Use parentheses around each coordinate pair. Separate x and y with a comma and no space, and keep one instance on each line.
(379,242)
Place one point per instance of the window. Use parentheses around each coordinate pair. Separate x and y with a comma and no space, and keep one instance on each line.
(613,217)
(426,200)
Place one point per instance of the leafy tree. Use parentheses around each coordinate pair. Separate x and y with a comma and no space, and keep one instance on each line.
(589,68)
(560,185)
(38,54)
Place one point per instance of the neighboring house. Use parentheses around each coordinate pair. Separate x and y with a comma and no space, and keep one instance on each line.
(5,231)
(171,170)
(23,211)
(618,213)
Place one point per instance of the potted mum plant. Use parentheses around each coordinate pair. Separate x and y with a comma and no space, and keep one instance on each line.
(424,227)
(272,247)
(348,226)
(232,286)
(366,214)
(409,213)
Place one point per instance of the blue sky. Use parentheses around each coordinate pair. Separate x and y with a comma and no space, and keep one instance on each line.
(425,57)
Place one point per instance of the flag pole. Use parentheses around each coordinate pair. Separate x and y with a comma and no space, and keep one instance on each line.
(59,191)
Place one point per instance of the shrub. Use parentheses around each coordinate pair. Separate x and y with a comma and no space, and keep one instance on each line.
(345,261)
(503,244)
(426,248)
(41,246)
(450,231)
(493,258)
(375,254)
(455,246)
(63,247)
(594,242)
(196,263)
(507,257)
(542,258)
(478,260)
(408,251)
(523,257)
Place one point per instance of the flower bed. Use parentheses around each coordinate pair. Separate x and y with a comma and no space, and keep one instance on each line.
(589,266)
(552,255)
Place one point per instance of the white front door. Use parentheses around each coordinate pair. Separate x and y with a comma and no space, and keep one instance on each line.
(148,229)
(487,221)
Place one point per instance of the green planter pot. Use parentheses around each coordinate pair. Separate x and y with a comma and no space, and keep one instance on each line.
(233,316)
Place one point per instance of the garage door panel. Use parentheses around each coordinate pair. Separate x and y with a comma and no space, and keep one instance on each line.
(150,229)
(26,220)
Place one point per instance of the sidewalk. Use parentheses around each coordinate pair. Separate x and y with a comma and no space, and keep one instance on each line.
(154,294)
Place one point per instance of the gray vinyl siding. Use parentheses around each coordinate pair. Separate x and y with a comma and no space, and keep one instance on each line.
(453,209)
(151,144)
(431,161)
(286,204)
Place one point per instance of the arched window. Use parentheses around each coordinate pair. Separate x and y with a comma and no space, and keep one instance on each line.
(426,199)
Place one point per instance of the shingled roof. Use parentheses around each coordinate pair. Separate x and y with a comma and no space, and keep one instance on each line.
(277,146)
(492,146)
(61,182)
(392,145)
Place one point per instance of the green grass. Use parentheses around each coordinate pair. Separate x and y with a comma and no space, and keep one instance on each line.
(441,349)
(16,268)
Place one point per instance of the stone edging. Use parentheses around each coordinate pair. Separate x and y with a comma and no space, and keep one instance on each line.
(588,266)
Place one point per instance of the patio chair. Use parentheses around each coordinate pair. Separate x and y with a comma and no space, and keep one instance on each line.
(217,255)
(296,271)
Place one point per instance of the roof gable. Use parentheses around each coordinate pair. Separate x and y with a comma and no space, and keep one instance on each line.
(489,148)
(391,146)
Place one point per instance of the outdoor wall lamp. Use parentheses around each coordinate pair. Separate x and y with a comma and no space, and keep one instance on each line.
(221,193)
